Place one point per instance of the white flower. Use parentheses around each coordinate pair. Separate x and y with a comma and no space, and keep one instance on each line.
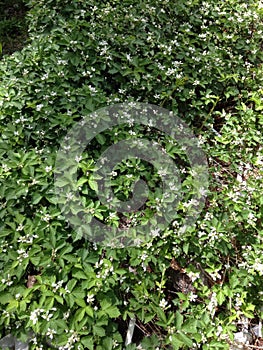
(48,168)
(212,304)
(66,315)
(155,232)
(47,316)
(34,315)
(46,218)
(203,191)
(78,158)
(92,89)
(192,296)
(69,196)
(90,298)
(144,256)
(39,107)
(50,333)
(20,227)
(258,266)
(5,168)
(115,343)
(163,303)
(193,275)
(57,285)
(45,76)
(162,172)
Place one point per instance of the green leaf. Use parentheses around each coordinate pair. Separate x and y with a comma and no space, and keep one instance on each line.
(184,339)
(59,299)
(101,139)
(36,198)
(88,342)
(186,248)
(23,305)
(71,284)
(80,313)
(13,305)
(93,184)
(103,320)
(59,325)
(220,296)
(113,311)
(190,326)
(81,181)
(71,300)
(176,343)
(107,343)
(5,297)
(178,320)
(35,260)
(109,309)
(80,302)
(148,318)
(89,311)
(78,293)
(80,275)
(97,330)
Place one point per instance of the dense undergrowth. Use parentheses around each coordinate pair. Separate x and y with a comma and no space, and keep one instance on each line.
(202,60)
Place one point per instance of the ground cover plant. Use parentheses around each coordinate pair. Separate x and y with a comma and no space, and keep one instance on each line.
(202,60)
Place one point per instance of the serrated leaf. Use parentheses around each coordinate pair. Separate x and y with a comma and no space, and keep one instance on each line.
(220,297)
(5,297)
(36,198)
(93,184)
(22,305)
(103,320)
(248,314)
(35,260)
(178,320)
(59,299)
(184,339)
(13,304)
(109,309)
(80,313)
(71,300)
(148,318)
(176,343)
(88,342)
(71,284)
(113,311)
(89,311)
(59,324)
(81,181)
(190,326)
(97,330)
(80,302)
(80,275)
